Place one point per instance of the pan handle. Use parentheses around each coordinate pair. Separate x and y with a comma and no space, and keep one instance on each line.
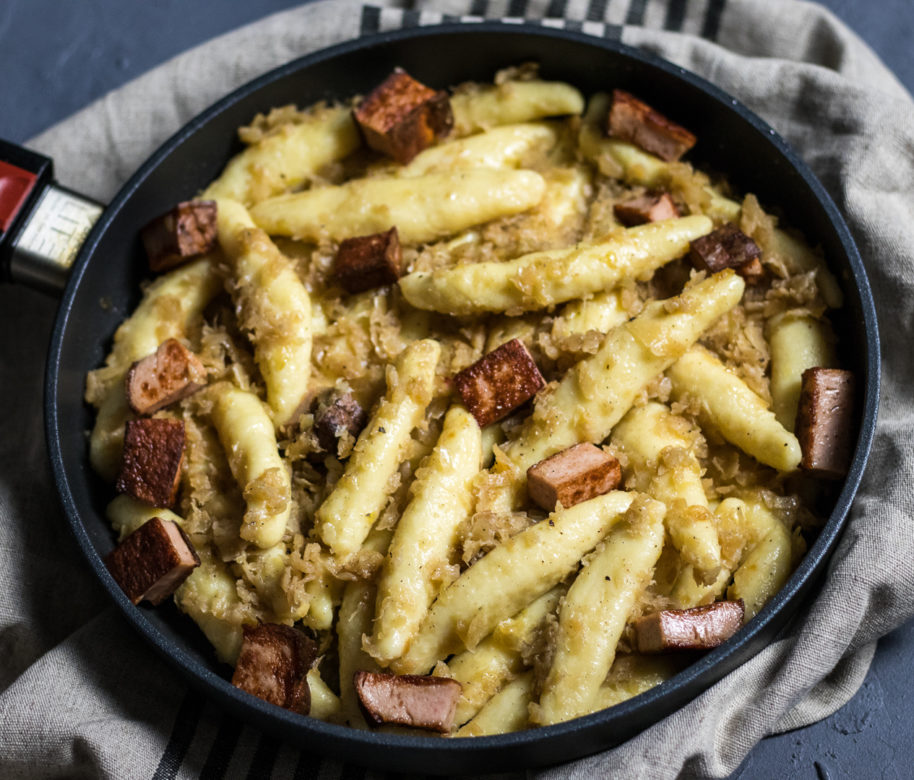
(42,225)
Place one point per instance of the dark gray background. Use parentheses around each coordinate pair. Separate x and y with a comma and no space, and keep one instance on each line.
(56,56)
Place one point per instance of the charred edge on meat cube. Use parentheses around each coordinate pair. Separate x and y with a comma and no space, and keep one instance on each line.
(499,382)
(151,461)
(153,561)
(402,116)
(367,262)
(273,665)
(699,628)
(824,424)
(171,373)
(650,207)
(574,475)
(187,231)
(420,701)
(727,247)
(636,122)
(335,415)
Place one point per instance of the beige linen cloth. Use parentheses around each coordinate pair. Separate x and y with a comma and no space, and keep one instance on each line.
(80,694)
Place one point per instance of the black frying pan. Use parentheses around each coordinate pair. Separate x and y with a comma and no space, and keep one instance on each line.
(104,287)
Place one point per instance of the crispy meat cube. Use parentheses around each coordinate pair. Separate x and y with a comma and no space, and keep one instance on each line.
(699,628)
(185,232)
(825,421)
(151,463)
(366,262)
(169,374)
(335,415)
(402,116)
(571,476)
(636,122)
(499,382)
(153,561)
(421,701)
(273,665)
(727,247)
(650,207)
(753,271)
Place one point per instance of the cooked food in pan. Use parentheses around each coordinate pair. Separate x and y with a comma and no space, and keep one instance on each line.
(469,411)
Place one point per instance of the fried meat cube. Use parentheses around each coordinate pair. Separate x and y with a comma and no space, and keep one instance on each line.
(727,247)
(151,463)
(636,122)
(169,374)
(752,272)
(825,419)
(402,116)
(366,262)
(571,476)
(650,207)
(499,382)
(699,628)
(420,701)
(273,665)
(153,561)
(185,232)
(336,415)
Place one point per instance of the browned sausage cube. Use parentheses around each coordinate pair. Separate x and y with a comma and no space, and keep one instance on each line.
(153,561)
(169,374)
(571,476)
(636,122)
(421,701)
(367,262)
(650,207)
(753,271)
(499,382)
(151,463)
(402,116)
(336,415)
(727,247)
(825,421)
(273,665)
(185,232)
(699,628)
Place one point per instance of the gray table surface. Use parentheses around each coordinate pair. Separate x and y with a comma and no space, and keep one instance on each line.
(70,52)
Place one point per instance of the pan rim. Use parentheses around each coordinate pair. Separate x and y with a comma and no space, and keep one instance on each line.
(332,738)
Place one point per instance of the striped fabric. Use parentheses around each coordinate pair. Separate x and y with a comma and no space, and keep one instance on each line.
(601,18)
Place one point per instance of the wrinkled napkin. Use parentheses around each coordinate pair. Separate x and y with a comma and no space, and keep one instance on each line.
(80,695)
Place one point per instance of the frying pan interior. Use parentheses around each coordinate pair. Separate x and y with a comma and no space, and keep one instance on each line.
(105,288)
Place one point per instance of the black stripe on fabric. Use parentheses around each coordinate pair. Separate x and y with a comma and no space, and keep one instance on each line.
(410,19)
(517,8)
(222,750)
(635,13)
(556,8)
(675,15)
(371,20)
(264,757)
(711,26)
(308,766)
(596,10)
(612,31)
(450,18)
(182,734)
(574,25)
(478,7)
